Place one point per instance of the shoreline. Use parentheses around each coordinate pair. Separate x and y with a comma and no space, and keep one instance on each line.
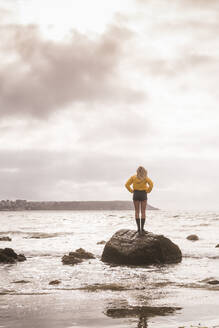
(60,310)
(24,205)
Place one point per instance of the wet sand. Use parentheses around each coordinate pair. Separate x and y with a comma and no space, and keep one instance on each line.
(98,309)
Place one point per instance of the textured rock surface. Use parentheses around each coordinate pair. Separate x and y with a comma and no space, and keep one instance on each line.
(127,247)
(77,257)
(7,255)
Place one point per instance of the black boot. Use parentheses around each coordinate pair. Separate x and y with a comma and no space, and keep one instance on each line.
(142,225)
(138,225)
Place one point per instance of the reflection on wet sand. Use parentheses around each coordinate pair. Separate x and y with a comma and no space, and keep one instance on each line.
(141,312)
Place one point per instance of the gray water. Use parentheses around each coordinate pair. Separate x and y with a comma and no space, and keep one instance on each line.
(38,304)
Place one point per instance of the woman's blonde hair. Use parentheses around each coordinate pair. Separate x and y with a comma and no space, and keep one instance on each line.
(141,173)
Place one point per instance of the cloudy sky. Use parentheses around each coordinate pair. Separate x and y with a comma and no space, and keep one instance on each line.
(90,90)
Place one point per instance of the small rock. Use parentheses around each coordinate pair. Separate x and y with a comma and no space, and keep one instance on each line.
(7,255)
(77,257)
(213,282)
(5,238)
(20,282)
(102,242)
(217,245)
(54,282)
(192,237)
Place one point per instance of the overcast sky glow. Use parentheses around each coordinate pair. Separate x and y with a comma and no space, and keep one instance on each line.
(90,90)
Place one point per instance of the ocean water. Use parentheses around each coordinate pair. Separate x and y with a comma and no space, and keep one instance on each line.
(45,236)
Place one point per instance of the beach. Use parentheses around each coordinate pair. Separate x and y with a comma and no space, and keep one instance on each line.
(96,294)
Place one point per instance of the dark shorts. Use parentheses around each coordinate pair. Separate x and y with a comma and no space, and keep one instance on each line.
(140,195)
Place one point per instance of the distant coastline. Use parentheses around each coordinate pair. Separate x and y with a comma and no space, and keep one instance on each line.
(24,205)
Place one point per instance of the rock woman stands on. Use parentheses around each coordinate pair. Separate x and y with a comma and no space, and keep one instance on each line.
(142,185)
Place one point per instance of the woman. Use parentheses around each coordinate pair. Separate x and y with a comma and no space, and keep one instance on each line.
(142,185)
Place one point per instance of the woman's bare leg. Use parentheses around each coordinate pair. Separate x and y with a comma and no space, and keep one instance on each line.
(143,208)
(137,208)
(137,218)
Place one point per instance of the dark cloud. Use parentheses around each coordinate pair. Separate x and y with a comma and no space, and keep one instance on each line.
(48,75)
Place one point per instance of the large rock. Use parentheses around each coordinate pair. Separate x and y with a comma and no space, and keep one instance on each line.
(127,247)
(8,255)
